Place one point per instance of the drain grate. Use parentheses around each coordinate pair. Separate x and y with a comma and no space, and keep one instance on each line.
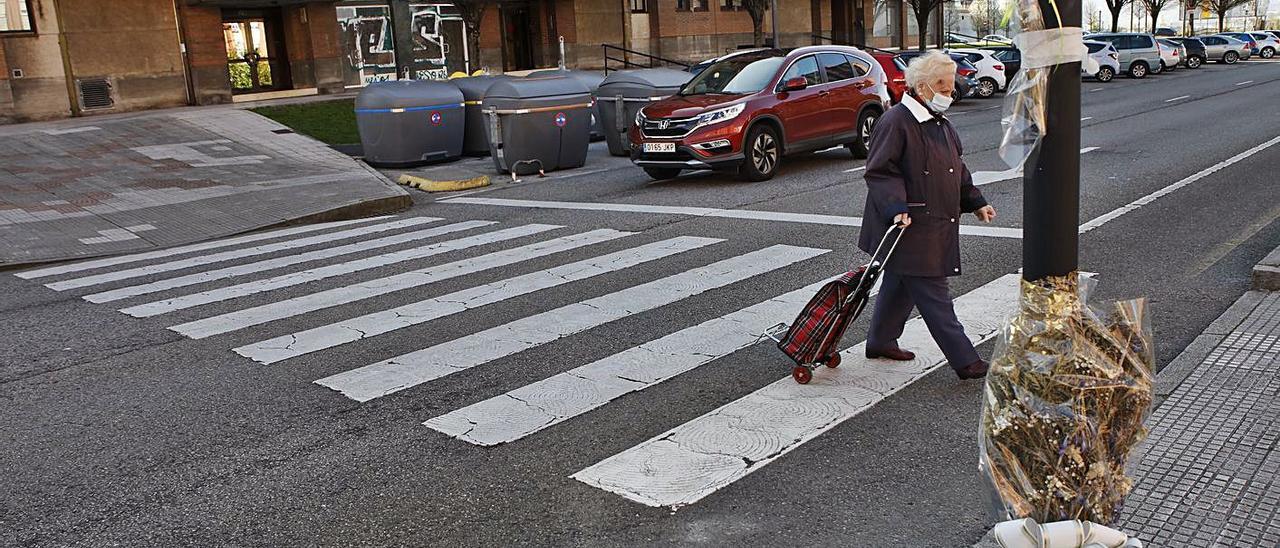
(95,93)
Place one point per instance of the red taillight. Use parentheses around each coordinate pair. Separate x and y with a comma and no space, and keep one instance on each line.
(967,72)
(1113,56)
(999,67)
(1253,45)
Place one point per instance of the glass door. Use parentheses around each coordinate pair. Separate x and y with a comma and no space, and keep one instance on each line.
(249,59)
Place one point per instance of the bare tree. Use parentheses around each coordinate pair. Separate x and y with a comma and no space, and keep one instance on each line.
(1192,7)
(1094,17)
(1154,7)
(986,16)
(1221,7)
(755,8)
(922,9)
(472,13)
(1115,6)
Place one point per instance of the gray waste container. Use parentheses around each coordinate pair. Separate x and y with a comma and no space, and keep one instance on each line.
(589,78)
(538,123)
(409,122)
(476,139)
(624,93)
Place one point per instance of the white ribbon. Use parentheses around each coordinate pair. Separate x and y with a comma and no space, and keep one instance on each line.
(1049,47)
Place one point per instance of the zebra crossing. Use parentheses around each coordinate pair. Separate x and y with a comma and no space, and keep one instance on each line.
(234,290)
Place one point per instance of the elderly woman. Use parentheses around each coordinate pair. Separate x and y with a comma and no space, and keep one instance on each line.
(916,178)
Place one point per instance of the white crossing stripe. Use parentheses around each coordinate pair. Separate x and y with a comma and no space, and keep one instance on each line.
(1178,98)
(693,460)
(1244,82)
(385,321)
(409,370)
(280,262)
(533,407)
(779,216)
(1115,213)
(204,246)
(315,274)
(233,321)
(201,260)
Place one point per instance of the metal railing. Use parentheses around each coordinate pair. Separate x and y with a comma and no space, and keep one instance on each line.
(626,55)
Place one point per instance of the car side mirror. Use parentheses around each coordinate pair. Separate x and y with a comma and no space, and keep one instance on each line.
(795,84)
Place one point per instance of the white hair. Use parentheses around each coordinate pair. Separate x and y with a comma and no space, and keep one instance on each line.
(930,67)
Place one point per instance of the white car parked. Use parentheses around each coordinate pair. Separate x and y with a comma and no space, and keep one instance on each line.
(990,76)
(1107,57)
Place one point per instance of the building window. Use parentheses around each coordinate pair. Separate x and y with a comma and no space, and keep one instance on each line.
(15,16)
(692,5)
(639,6)
(730,5)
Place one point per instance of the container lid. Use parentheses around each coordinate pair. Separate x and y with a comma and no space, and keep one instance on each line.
(589,78)
(662,79)
(537,88)
(474,87)
(406,94)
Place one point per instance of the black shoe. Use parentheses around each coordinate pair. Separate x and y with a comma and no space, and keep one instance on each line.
(975,370)
(890,354)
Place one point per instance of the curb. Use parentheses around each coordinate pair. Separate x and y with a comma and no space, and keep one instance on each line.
(429,185)
(1266,274)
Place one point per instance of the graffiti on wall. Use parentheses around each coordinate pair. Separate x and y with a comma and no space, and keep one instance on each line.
(367,36)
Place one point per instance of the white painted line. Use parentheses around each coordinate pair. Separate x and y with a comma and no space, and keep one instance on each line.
(205,246)
(691,461)
(315,274)
(281,262)
(385,321)
(1244,82)
(810,218)
(1097,89)
(533,407)
(201,260)
(233,321)
(856,169)
(412,369)
(981,178)
(1086,118)
(1105,218)
(1179,98)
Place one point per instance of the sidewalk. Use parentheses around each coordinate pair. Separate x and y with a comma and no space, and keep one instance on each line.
(1210,471)
(103,185)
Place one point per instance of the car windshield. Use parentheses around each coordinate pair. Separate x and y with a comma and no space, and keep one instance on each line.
(742,74)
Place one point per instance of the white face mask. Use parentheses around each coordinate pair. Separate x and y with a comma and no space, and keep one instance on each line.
(939,102)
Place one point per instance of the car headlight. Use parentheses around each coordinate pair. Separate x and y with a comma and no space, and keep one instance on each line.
(721,115)
(640,118)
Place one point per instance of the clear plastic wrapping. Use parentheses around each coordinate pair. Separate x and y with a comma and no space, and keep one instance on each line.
(1065,401)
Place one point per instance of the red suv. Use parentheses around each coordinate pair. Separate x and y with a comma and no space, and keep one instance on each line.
(747,111)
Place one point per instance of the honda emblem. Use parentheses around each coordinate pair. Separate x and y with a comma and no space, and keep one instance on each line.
(663,124)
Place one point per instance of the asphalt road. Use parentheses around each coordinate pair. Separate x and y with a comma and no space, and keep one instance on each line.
(119,431)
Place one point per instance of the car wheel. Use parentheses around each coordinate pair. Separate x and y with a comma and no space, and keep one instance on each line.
(1105,74)
(1230,57)
(1268,53)
(1138,70)
(1194,62)
(762,154)
(660,173)
(987,87)
(866,123)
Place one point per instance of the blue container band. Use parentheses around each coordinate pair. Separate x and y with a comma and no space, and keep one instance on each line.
(408,109)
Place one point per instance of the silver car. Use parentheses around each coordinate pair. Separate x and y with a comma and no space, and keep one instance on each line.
(1171,54)
(1139,54)
(1107,57)
(1268,45)
(1224,49)
(1251,45)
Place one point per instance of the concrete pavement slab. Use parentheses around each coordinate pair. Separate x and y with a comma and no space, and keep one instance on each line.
(107,186)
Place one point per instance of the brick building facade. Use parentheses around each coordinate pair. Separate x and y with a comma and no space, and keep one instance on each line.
(62,58)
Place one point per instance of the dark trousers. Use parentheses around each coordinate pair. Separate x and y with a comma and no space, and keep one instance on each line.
(898,294)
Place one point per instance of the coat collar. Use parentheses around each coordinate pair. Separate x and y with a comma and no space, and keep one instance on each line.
(921,112)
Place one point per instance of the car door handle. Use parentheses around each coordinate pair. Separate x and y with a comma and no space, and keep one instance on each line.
(824,93)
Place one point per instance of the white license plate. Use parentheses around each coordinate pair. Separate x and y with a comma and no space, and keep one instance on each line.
(659,147)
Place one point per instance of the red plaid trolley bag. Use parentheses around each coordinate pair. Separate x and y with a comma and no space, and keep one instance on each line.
(814,337)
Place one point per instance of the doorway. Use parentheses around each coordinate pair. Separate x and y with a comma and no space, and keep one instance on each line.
(256,59)
(520,36)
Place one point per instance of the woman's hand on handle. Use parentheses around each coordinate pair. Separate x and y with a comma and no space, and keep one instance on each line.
(902,219)
(986,214)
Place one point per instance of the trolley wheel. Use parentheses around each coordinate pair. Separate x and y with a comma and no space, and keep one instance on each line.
(833,360)
(801,374)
